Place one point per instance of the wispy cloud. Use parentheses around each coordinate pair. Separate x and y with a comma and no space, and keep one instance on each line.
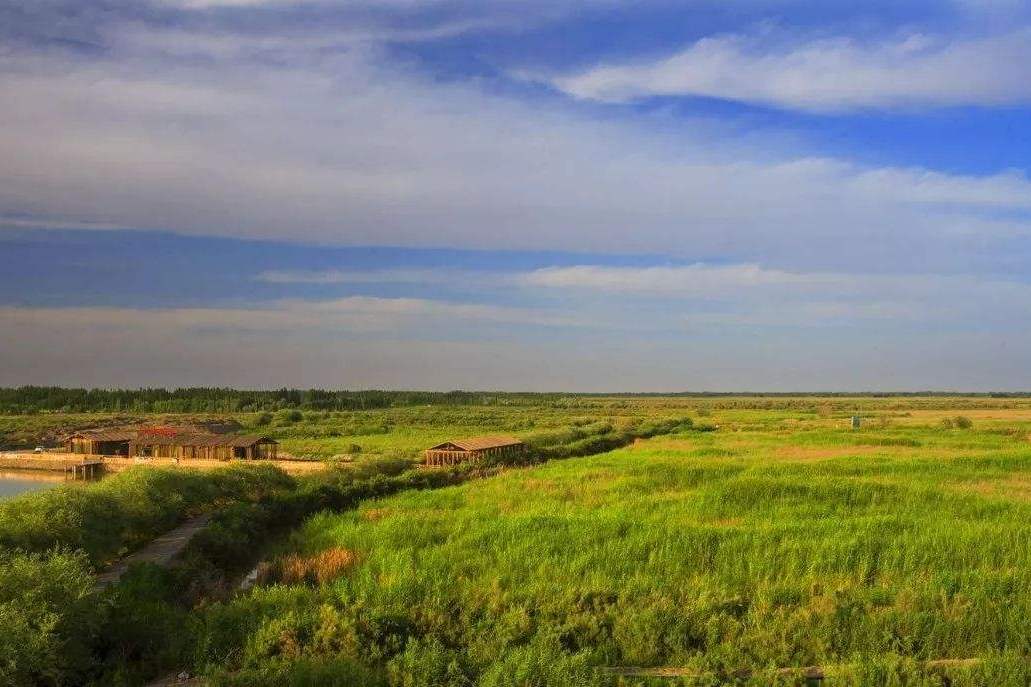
(690,280)
(355,314)
(749,295)
(356,276)
(859,332)
(825,74)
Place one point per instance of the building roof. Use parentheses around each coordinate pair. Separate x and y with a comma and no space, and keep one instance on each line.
(479,443)
(203,440)
(103,435)
(251,440)
(171,437)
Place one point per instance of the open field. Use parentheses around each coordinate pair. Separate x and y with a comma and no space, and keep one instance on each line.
(349,434)
(896,554)
(405,430)
(783,540)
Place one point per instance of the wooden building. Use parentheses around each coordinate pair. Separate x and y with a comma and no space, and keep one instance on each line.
(206,446)
(474,449)
(100,442)
(171,443)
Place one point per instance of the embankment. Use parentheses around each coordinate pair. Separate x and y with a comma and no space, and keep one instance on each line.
(62,462)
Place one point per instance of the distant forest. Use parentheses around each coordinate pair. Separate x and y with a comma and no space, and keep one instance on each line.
(39,399)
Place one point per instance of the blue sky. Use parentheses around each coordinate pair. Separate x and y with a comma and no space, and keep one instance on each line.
(581,195)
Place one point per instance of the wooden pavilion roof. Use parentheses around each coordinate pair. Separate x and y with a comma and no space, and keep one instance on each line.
(478,443)
(171,436)
(204,440)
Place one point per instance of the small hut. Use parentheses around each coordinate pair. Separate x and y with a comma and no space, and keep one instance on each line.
(100,442)
(474,449)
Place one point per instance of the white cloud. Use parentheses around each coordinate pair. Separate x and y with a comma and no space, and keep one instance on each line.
(750,295)
(351,152)
(192,132)
(690,280)
(860,332)
(355,314)
(826,74)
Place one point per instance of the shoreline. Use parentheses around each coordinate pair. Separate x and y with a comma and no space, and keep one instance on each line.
(62,462)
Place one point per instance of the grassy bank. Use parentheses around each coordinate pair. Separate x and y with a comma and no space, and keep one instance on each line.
(52,542)
(107,518)
(770,544)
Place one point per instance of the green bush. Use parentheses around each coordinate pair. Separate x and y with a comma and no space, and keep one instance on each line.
(147,630)
(428,663)
(127,509)
(290,417)
(303,672)
(542,663)
(598,437)
(49,618)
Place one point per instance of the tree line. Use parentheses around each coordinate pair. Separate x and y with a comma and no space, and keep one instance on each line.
(41,399)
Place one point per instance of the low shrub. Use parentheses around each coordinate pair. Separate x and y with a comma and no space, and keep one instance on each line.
(147,629)
(290,417)
(304,672)
(121,512)
(958,422)
(598,437)
(49,618)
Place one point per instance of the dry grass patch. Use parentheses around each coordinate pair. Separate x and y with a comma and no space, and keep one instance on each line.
(934,417)
(665,444)
(376,514)
(1016,487)
(321,568)
(815,453)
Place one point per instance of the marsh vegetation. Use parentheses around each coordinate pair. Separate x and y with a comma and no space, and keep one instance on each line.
(896,554)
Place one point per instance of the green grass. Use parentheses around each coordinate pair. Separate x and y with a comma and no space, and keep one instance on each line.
(783,539)
(408,429)
(779,541)
(391,431)
(52,542)
(105,519)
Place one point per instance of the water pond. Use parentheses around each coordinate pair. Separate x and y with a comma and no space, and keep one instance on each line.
(15,482)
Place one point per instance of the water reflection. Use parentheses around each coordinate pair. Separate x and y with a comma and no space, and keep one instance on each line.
(14,482)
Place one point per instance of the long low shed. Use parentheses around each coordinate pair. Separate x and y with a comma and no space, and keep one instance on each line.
(474,449)
(145,444)
(208,447)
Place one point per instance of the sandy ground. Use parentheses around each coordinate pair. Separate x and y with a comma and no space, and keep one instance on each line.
(58,462)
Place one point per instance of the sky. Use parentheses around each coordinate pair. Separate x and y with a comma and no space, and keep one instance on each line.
(570,195)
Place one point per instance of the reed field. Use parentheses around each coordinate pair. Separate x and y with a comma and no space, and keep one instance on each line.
(896,554)
(679,540)
(351,434)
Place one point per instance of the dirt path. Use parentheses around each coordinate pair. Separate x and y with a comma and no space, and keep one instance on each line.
(161,551)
